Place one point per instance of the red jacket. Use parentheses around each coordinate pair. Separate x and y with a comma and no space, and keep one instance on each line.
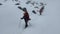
(26,16)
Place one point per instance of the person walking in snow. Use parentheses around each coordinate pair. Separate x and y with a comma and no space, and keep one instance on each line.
(25,17)
(41,10)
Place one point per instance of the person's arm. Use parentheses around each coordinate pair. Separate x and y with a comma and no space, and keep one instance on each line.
(23,17)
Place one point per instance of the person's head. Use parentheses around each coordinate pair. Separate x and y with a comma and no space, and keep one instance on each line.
(24,9)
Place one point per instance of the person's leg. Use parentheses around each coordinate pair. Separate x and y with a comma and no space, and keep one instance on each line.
(26,23)
(40,13)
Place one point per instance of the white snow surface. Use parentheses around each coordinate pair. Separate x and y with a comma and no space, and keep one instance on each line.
(48,23)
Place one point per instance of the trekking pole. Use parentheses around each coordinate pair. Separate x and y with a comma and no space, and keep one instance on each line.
(19,23)
(29,24)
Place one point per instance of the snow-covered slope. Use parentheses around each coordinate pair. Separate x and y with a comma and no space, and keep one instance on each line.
(48,23)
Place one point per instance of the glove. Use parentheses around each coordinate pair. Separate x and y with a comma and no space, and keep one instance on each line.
(29,19)
(21,18)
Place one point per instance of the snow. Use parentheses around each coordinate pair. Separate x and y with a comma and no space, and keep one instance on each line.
(48,23)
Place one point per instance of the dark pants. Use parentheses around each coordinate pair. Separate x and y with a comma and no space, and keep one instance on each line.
(26,23)
(40,13)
